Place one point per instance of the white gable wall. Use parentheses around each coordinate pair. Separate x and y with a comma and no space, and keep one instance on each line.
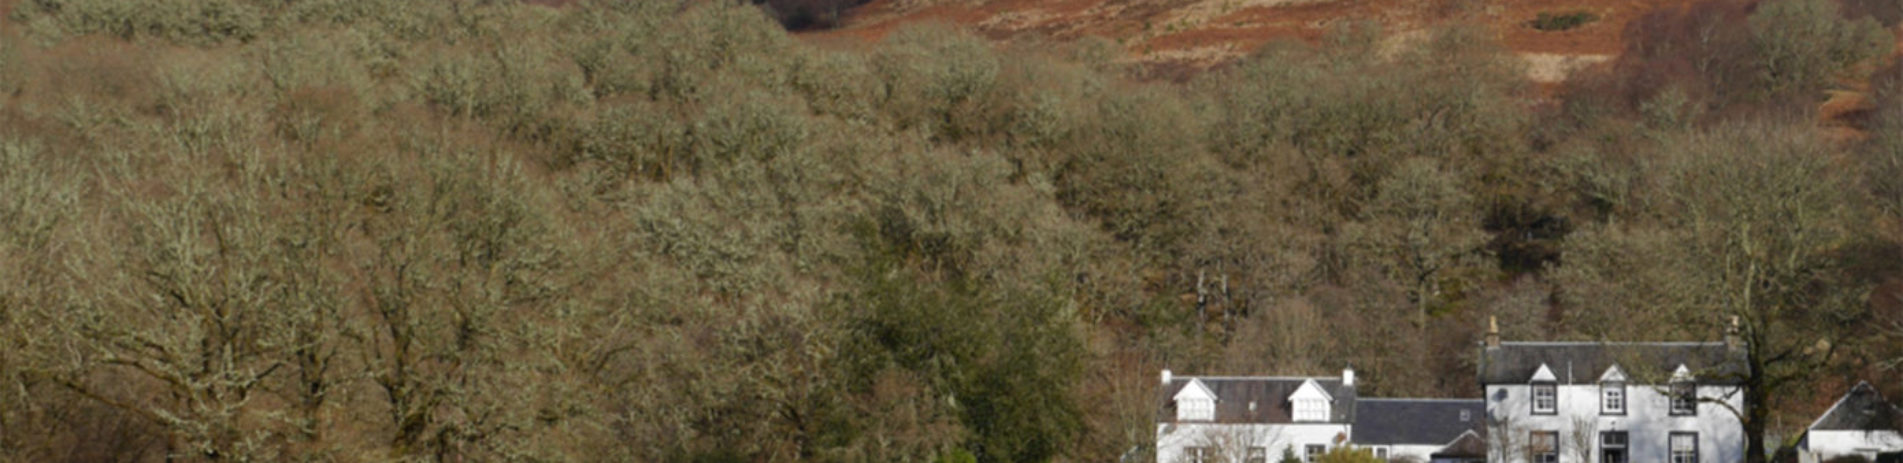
(1231,441)
(1825,445)
(1648,422)
(1420,453)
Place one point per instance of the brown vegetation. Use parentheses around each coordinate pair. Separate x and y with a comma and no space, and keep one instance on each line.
(644,231)
(1195,35)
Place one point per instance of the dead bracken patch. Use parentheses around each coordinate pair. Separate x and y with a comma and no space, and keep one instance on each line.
(1207,33)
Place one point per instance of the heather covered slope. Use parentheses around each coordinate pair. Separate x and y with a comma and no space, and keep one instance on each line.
(1554,38)
(363,230)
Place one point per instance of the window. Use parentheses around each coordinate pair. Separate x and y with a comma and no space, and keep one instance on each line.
(1612,398)
(1545,398)
(1258,455)
(1684,398)
(1684,447)
(1197,454)
(1381,453)
(1311,410)
(1612,447)
(1543,447)
(1314,452)
(1196,410)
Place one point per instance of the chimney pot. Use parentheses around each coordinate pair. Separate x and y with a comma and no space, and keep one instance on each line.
(1732,334)
(1493,331)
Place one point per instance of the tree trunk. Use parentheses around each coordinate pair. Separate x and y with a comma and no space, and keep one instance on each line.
(1420,303)
(1756,413)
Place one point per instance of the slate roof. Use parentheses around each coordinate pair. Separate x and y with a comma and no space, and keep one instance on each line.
(1468,447)
(1270,394)
(1861,409)
(1583,362)
(1416,421)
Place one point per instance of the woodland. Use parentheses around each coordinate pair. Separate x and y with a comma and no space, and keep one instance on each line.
(464,230)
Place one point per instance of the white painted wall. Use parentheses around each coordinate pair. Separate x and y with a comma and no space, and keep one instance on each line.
(1647,422)
(1825,445)
(1420,453)
(1233,439)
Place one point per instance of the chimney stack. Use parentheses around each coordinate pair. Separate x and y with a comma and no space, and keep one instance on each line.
(1348,376)
(1493,332)
(1166,376)
(1732,332)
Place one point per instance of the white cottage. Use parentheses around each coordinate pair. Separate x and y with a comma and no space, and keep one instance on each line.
(1860,424)
(1252,419)
(1587,402)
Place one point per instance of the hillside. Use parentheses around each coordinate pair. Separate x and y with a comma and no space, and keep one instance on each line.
(390,230)
(1181,37)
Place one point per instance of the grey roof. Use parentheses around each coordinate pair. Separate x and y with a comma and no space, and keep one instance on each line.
(1269,393)
(1861,409)
(1584,362)
(1416,421)
(1471,447)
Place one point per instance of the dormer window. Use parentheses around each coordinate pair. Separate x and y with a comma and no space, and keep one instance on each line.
(1684,393)
(1612,398)
(1311,410)
(1195,410)
(1309,402)
(1195,402)
(1545,398)
(1612,394)
(1545,388)
(1684,398)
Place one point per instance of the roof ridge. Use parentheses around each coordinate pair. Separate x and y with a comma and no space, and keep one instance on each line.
(1612,343)
(1318,378)
(1422,399)
(1463,435)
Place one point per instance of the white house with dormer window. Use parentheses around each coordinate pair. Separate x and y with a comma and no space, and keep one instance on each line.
(1607,402)
(1252,419)
(1256,419)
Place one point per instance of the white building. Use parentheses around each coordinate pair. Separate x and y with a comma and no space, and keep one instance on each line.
(1586,402)
(1861,424)
(1252,419)
(1255,419)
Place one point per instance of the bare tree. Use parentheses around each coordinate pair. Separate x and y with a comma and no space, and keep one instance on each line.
(459,259)
(190,304)
(1583,438)
(1419,225)
(1505,439)
(1767,220)
(1232,443)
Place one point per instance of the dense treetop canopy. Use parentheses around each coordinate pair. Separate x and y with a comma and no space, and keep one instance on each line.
(389,230)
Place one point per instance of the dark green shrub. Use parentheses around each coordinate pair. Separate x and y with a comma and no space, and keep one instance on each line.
(1550,22)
